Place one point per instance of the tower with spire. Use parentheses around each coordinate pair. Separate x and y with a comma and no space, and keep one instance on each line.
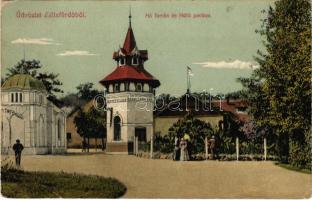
(129,97)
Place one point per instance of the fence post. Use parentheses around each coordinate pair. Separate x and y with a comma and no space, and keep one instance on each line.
(137,145)
(265,148)
(152,146)
(237,148)
(206,148)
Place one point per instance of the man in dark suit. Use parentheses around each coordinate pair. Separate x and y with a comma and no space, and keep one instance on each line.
(18,148)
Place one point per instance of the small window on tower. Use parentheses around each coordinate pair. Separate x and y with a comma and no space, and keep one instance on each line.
(139,87)
(135,61)
(12,97)
(116,88)
(151,89)
(122,61)
(126,86)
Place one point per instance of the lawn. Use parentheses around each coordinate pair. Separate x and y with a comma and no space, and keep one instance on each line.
(289,167)
(23,184)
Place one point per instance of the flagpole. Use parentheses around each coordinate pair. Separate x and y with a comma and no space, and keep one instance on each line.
(187,81)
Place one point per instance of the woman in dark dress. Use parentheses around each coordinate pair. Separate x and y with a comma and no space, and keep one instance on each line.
(176,152)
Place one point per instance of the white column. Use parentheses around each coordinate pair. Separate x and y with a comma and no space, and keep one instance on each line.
(152,145)
(237,148)
(137,145)
(265,148)
(134,145)
(206,148)
(65,133)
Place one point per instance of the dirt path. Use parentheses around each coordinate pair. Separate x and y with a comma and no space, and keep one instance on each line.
(147,178)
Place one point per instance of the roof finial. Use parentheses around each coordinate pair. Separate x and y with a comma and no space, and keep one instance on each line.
(130,16)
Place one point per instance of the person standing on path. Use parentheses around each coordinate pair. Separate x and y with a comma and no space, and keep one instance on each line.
(184,153)
(18,148)
(177,151)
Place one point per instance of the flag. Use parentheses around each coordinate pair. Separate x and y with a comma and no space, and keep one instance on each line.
(189,71)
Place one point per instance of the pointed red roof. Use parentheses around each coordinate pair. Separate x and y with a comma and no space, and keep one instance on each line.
(129,43)
(126,72)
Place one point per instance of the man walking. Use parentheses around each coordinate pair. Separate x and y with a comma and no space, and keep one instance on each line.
(18,148)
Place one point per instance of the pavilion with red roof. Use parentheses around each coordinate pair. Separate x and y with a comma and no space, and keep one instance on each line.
(130,91)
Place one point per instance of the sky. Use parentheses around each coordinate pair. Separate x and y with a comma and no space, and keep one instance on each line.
(219,46)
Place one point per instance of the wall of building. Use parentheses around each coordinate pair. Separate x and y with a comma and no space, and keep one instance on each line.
(36,129)
(134,110)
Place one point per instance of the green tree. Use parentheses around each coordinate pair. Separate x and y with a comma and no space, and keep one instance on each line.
(196,129)
(91,124)
(279,91)
(80,121)
(97,120)
(86,91)
(32,67)
(70,99)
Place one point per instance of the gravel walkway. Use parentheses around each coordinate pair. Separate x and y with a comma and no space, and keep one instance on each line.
(147,178)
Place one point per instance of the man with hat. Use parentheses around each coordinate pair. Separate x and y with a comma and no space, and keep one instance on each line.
(18,148)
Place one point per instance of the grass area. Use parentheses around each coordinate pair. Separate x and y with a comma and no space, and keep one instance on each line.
(22,184)
(290,167)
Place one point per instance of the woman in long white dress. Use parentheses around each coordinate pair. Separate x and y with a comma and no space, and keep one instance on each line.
(184,153)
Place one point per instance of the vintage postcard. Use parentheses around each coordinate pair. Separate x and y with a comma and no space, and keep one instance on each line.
(156,99)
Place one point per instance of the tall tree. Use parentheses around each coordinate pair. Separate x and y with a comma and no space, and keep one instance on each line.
(280,91)
(97,122)
(91,124)
(32,67)
(86,91)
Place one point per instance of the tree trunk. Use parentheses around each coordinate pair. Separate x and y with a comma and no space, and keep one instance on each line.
(95,144)
(265,148)
(237,148)
(88,146)
(102,143)
(83,144)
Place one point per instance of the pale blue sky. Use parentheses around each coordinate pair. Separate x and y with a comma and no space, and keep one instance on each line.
(228,35)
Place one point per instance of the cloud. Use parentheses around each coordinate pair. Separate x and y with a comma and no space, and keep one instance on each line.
(76,53)
(39,41)
(236,64)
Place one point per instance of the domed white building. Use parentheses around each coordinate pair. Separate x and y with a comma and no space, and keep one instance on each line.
(27,115)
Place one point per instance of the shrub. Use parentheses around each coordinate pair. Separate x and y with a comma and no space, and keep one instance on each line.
(197,130)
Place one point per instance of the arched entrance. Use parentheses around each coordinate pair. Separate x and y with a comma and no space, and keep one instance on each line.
(59,131)
(41,132)
(117,128)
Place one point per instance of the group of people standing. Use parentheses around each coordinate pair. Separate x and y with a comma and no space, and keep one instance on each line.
(181,148)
